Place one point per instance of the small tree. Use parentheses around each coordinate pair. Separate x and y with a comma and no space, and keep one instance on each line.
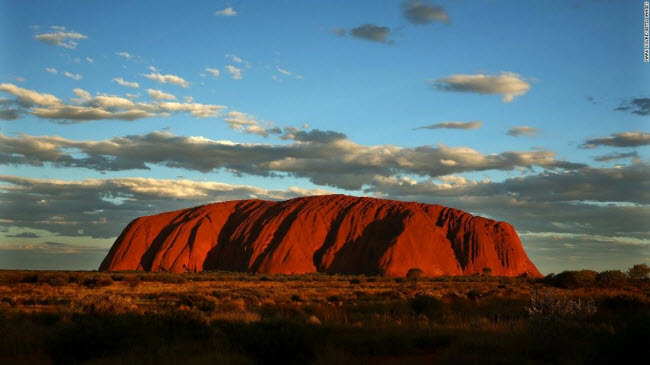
(413,274)
(639,272)
(487,271)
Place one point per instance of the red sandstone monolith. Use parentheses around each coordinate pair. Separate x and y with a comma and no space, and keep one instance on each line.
(328,233)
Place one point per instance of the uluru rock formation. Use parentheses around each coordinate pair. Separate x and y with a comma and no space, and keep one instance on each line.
(328,233)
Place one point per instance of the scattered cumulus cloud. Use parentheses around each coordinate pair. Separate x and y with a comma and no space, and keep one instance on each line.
(235,73)
(76,77)
(229,11)
(123,82)
(372,33)
(638,106)
(24,235)
(475,124)
(213,71)
(86,108)
(508,84)
(323,157)
(126,55)
(522,131)
(618,156)
(80,207)
(419,13)
(159,95)
(51,70)
(164,79)
(623,139)
(26,97)
(286,73)
(59,36)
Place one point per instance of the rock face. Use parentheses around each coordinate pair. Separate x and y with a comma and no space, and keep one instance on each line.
(328,233)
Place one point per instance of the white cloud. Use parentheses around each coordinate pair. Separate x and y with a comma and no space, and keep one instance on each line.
(215,72)
(164,79)
(123,82)
(235,73)
(475,124)
(522,131)
(70,201)
(245,123)
(420,14)
(51,70)
(159,95)
(88,108)
(324,157)
(73,76)
(60,37)
(237,59)
(283,71)
(623,139)
(126,55)
(229,11)
(507,84)
(30,97)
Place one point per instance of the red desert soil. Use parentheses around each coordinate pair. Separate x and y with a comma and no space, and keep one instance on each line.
(328,233)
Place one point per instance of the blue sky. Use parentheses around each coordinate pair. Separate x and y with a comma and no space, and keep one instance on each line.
(579,62)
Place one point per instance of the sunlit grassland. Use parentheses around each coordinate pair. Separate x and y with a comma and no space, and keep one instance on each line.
(221,317)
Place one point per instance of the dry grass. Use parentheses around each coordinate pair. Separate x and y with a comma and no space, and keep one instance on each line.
(77,317)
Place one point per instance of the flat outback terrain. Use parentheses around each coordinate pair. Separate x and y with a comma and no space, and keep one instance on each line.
(238,318)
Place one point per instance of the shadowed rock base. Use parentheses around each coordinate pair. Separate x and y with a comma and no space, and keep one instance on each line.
(328,233)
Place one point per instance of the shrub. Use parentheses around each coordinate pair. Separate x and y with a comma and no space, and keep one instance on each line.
(572,279)
(277,341)
(104,281)
(168,278)
(426,304)
(296,298)
(333,298)
(639,272)
(611,278)
(355,281)
(473,294)
(201,302)
(414,273)
(132,281)
(487,271)
(102,304)
(552,306)
(55,279)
